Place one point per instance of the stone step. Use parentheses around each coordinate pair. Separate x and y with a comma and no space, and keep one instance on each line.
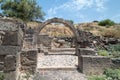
(59,75)
(62,49)
(53,68)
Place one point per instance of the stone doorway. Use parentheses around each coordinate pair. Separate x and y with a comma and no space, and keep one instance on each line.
(57,52)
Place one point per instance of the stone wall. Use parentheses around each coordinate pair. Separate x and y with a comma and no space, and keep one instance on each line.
(2,62)
(9,50)
(44,39)
(28,60)
(93,64)
(12,33)
(87,51)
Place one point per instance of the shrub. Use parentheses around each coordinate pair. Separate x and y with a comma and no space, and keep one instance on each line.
(115,50)
(112,74)
(103,53)
(115,47)
(2,77)
(106,22)
(97,78)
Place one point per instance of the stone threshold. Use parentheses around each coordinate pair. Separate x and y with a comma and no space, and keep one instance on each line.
(53,68)
(62,49)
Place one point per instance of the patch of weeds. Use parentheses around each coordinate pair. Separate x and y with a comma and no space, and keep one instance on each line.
(2,76)
(103,53)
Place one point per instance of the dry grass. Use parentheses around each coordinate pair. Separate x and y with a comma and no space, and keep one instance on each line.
(61,30)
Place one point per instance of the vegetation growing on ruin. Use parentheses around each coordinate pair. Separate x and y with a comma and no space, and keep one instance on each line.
(2,77)
(109,74)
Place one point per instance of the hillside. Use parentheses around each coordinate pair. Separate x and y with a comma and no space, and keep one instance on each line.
(93,27)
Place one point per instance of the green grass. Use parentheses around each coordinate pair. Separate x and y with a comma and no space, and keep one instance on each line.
(103,53)
(2,76)
(109,74)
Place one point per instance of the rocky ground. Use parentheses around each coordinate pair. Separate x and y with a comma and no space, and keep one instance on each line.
(59,75)
(64,59)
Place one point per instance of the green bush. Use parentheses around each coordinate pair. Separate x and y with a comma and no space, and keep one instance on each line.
(109,74)
(106,22)
(2,77)
(115,50)
(115,47)
(112,74)
(97,78)
(103,53)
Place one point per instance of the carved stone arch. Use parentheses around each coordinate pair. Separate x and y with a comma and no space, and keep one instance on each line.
(60,20)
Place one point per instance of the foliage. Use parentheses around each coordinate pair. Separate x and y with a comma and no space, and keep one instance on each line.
(71,21)
(115,50)
(97,78)
(24,9)
(112,74)
(103,53)
(27,76)
(106,22)
(109,74)
(2,77)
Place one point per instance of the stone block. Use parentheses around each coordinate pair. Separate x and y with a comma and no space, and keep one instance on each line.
(87,51)
(1,66)
(115,63)
(2,58)
(29,60)
(9,63)
(9,50)
(10,75)
(12,38)
(93,65)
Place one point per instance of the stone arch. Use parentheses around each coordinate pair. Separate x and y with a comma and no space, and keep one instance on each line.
(60,20)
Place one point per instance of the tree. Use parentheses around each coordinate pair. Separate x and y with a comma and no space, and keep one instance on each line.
(71,21)
(24,9)
(106,22)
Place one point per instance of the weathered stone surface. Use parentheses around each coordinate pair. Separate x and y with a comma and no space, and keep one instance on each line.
(29,60)
(44,39)
(87,51)
(12,33)
(12,38)
(8,25)
(2,58)
(9,50)
(116,63)
(93,64)
(9,63)
(10,75)
(1,66)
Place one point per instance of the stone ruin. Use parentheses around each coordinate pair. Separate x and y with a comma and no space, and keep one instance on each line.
(15,58)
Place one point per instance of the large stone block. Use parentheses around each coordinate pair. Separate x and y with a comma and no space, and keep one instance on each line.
(9,63)
(2,58)
(29,60)
(116,63)
(10,75)
(45,40)
(93,64)
(9,50)
(1,66)
(87,51)
(12,38)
